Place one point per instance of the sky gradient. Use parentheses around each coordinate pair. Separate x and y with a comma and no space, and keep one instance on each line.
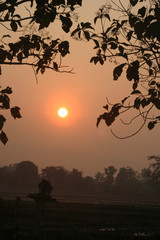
(75,142)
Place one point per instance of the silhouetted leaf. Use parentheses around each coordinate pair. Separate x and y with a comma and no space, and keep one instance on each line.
(4,99)
(142,11)
(104,46)
(153,82)
(87,35)
(106,106)
(2,121)
(64,48)
(75,31)
(150,72)
(151,125)
(7,90)
(7,35)
(55,66)
(13,25)
(15,112)
(137,103)
(6,17)
(156,102)
(132,20)
(3,138)
(136,92)
(113,45)
(135,85)
(123,101)
(20,57)
(133,71)
(118,71)
(66,23)
(107,16)
(133,2)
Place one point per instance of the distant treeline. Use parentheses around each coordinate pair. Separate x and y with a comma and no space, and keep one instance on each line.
(24,177)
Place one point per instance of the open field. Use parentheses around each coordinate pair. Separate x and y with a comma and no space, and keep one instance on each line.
(64,220)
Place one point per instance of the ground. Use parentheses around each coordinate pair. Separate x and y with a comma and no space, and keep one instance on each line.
(79,221)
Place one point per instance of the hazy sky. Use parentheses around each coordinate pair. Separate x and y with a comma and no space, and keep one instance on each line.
(40,136)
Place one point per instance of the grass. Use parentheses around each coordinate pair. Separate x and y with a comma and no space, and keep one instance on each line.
(78,221)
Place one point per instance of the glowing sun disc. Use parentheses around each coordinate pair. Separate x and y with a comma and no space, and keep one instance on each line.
(62,112)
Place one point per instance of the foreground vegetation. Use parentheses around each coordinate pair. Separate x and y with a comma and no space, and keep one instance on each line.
(78,221)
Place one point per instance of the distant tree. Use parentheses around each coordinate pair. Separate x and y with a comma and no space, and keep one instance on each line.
(127,180)
(58,177)
(75,180)
(109,176)
(155,171)
(89,184)
(26,176)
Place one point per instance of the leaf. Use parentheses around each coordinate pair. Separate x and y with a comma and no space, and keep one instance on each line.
(87,35)
(55,66)
(7,90)
(96,42)
(151,125)
(124,99)
(133,71)
(7,35)
(4,99)
(75,31)
(104,46)
(113,45)
(66,23)
(107,16)
(129,35)
(121,49)
(15,112)
(106,107)
(98,120)
(137,103)
(95,19)
(20,57)
(64,48)
(135,85)
(6,17)
(3,138)
(152,83)
(13,25)
(136,92)
(2,121)
(133,2)
(118,71)
(142,11)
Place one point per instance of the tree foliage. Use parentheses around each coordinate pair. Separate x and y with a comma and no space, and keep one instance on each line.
(132,40)
(34,50)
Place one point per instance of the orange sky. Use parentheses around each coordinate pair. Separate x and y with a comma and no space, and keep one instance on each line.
(40,136)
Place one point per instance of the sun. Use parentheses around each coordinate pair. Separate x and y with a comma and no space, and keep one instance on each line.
(62,112)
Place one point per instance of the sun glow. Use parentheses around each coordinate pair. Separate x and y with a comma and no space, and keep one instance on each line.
(62,112)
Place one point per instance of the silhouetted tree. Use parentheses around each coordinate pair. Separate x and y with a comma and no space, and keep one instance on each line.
(32,49)
(133,41)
